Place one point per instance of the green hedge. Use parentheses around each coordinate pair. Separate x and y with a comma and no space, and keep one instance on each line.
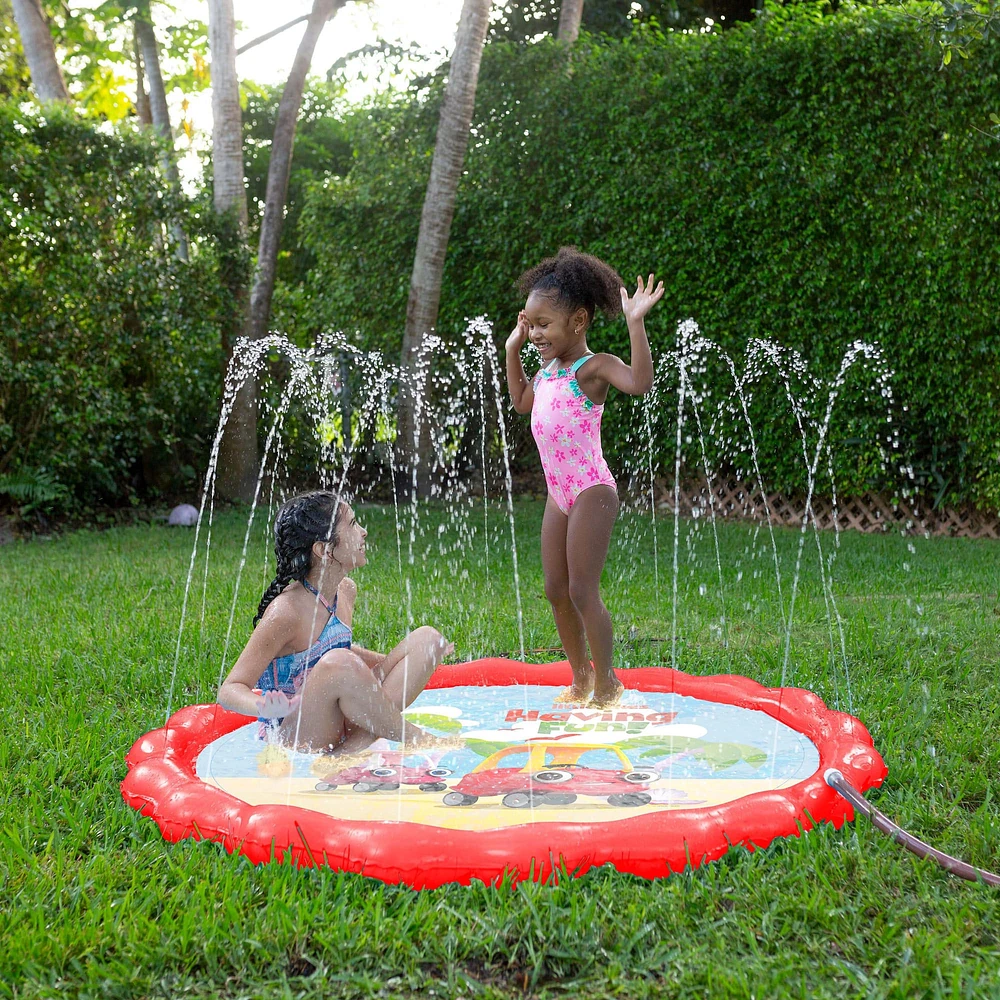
(110,358)
(813,179)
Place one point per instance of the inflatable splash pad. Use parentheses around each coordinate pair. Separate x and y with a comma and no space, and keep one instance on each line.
(681,770)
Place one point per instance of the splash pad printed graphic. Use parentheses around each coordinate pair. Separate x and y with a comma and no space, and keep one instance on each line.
(681,770)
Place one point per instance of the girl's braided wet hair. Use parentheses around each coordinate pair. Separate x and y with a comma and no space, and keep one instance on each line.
(301,521)
(576,280)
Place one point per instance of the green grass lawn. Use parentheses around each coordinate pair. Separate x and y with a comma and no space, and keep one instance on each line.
(94,903)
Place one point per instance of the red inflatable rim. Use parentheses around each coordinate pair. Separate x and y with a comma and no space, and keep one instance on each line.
(162,783)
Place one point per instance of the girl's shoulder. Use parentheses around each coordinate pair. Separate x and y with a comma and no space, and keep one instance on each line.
(284,612)
(596,366)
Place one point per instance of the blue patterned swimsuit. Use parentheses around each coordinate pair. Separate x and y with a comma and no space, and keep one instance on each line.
(288,673)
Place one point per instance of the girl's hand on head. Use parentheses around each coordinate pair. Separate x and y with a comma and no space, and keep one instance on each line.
(519,334)
(276,704)
(636,307)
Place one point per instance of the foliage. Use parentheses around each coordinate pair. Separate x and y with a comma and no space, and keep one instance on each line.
(811,178)
(32,488)
(15,79)
(960,26)
(95,51)
(109,347)
(321,149)
(524,20)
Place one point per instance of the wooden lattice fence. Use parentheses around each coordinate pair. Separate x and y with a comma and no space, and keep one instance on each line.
(868,513)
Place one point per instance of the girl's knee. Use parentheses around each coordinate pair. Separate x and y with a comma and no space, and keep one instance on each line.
(347,592)
(428,635)
(339,663)
(584,596)
(557,593)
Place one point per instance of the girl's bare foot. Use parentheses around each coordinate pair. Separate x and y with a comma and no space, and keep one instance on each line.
(578,694)
(607,694)
(327,765)
(431,742)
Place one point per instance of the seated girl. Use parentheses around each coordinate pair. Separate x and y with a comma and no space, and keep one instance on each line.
(300,673)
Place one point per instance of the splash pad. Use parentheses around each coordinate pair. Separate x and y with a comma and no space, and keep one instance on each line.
(683,769)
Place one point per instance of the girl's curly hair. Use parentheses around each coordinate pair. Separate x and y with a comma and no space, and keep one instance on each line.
(576,280)
(301,521)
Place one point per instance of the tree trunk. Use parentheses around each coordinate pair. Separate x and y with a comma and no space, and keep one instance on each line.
(40,51)
(569,21)
(280,167)
(238,461)
(238,450)
(439,200)
(270,34)
(161,115)
(142,108)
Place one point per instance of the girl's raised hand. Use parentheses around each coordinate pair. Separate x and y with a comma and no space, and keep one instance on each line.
(519,334)
(636,307)
(276,704)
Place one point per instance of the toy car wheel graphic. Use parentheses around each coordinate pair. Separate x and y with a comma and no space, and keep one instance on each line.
(325,786)
(520,800)
(640,777)
(553,777)
(630,799)
(459,799)
(432,786)
(439,772)
(375,786)
(383,772)
(559,798)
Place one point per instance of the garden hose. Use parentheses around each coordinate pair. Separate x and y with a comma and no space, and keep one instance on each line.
(880,821)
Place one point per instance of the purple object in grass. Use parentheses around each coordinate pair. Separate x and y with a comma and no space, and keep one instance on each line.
(184,515)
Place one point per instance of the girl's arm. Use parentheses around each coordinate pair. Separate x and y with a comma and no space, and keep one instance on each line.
(635,379)
(268,640)
(522,393)
(369,657)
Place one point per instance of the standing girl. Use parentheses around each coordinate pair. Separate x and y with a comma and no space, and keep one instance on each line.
(300,673)
(565,400)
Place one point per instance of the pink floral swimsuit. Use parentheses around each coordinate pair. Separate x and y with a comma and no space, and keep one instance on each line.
(566,426)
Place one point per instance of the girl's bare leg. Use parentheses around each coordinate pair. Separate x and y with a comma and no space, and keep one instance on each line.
(407,667)
(569,624)
(404,672)
(588,535)
(342,692)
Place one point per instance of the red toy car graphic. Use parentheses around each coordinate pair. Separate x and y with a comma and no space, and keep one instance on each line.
(386,773)
(552,775)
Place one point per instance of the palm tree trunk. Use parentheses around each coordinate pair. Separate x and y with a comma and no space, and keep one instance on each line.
(142,108)
(280,167)
(439,200)
(228,182)
(238,458)
(161,115)
(570,15)
(238,451)
(40,51)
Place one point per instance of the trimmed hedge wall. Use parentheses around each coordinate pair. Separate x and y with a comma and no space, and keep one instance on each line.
(816,180)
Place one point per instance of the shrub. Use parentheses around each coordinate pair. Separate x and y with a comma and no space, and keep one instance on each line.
(813,179)
(109,347)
